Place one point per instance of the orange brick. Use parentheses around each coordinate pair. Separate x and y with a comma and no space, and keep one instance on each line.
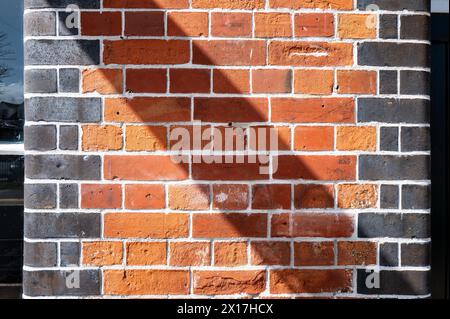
(357,82)
(268,25)
(230,253)
(102,253)
(103,81)
(144,23)
(275,196)
(314,253)
(314,196)
(314,138)
(101,196)
(187,24)
(357,26)
(272,81)
(356,138)
(357,253)
(190,254)
(314,25)
(189,197)
(235,171)
(146,253)
(101,138)
(146,225)
(228,4)
(316,4)
(146,80)
(357,195)
(314,81)
(231,81)
(101,23)
(230,196)
(140,196)
(145,138)
(190,81)
(231,24)
(281,133)
(229,282)
(146,282)
(270,253)
(230,225)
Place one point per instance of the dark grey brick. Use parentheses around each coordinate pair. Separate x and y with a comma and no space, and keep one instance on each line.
(40,196)
(82,4)
(415,139)
(389,254)
(68,137)
(40,81)
(40,137)
(63,109)
(390,167)
(394,225)
(416,111)
(73,167)
(416,196)
(396,283)
(39,23)
(415,27)
(389,196)
(393,54)
(70,254)
(40,254)
(389,26)
(66,24)
(415,254)
(78,282)
(68,195)
(64,52)
(62,225)
(395,5)
(388,82)
(389,139)
(69,80)
(415,82)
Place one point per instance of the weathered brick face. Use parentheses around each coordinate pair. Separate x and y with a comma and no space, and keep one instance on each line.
(347,189)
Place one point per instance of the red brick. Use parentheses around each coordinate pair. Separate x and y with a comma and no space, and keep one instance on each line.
(146,253)
(230,196)
(102,253)
(144,23)
(314,196)
(146,80)
(187,24)
(140,196)
(190,81)
(281,133)
(237,110)
(101,196)
(271,24)
(231,81)
(275,196)
(272,81)
(315,4)
(314,138)
(314,25)
(145,4)
(270,253)
(189,197)
(314,253)
(190,254)
(231,24)
(357,82)
(357,253)
(230,253)
(221,225)
(228,4)
(101,23)
(229,282)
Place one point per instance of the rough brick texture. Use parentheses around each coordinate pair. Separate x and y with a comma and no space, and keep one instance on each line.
(108,194)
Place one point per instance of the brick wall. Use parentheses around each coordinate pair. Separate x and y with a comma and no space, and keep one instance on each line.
(109,212)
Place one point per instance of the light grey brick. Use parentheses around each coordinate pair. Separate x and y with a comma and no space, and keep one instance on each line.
(43,254)
(40,23)
(40,196)
(40,81)
(40,137)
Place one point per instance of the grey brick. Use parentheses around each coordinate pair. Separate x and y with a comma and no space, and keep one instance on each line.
(389,254)
(389,139)
(82,4)
(416,111)
(68,195)
(389,26)
(68,137)
(415,82)
(63,109)
(415,27)
(62,225)
(39,23)
(70,253)
(40,254)
(64,28)
(393,54)
(415,139)
(396,283)
(389,196)
(59,282)
(415,254)
(64,52)
(395,5)
(394,225)
(416,196)
(69,80)
(73,167)
(40,196)
(390,167)
(388,82)
(40,81)
(40,137)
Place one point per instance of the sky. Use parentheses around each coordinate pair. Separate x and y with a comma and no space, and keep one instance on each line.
(11,12)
